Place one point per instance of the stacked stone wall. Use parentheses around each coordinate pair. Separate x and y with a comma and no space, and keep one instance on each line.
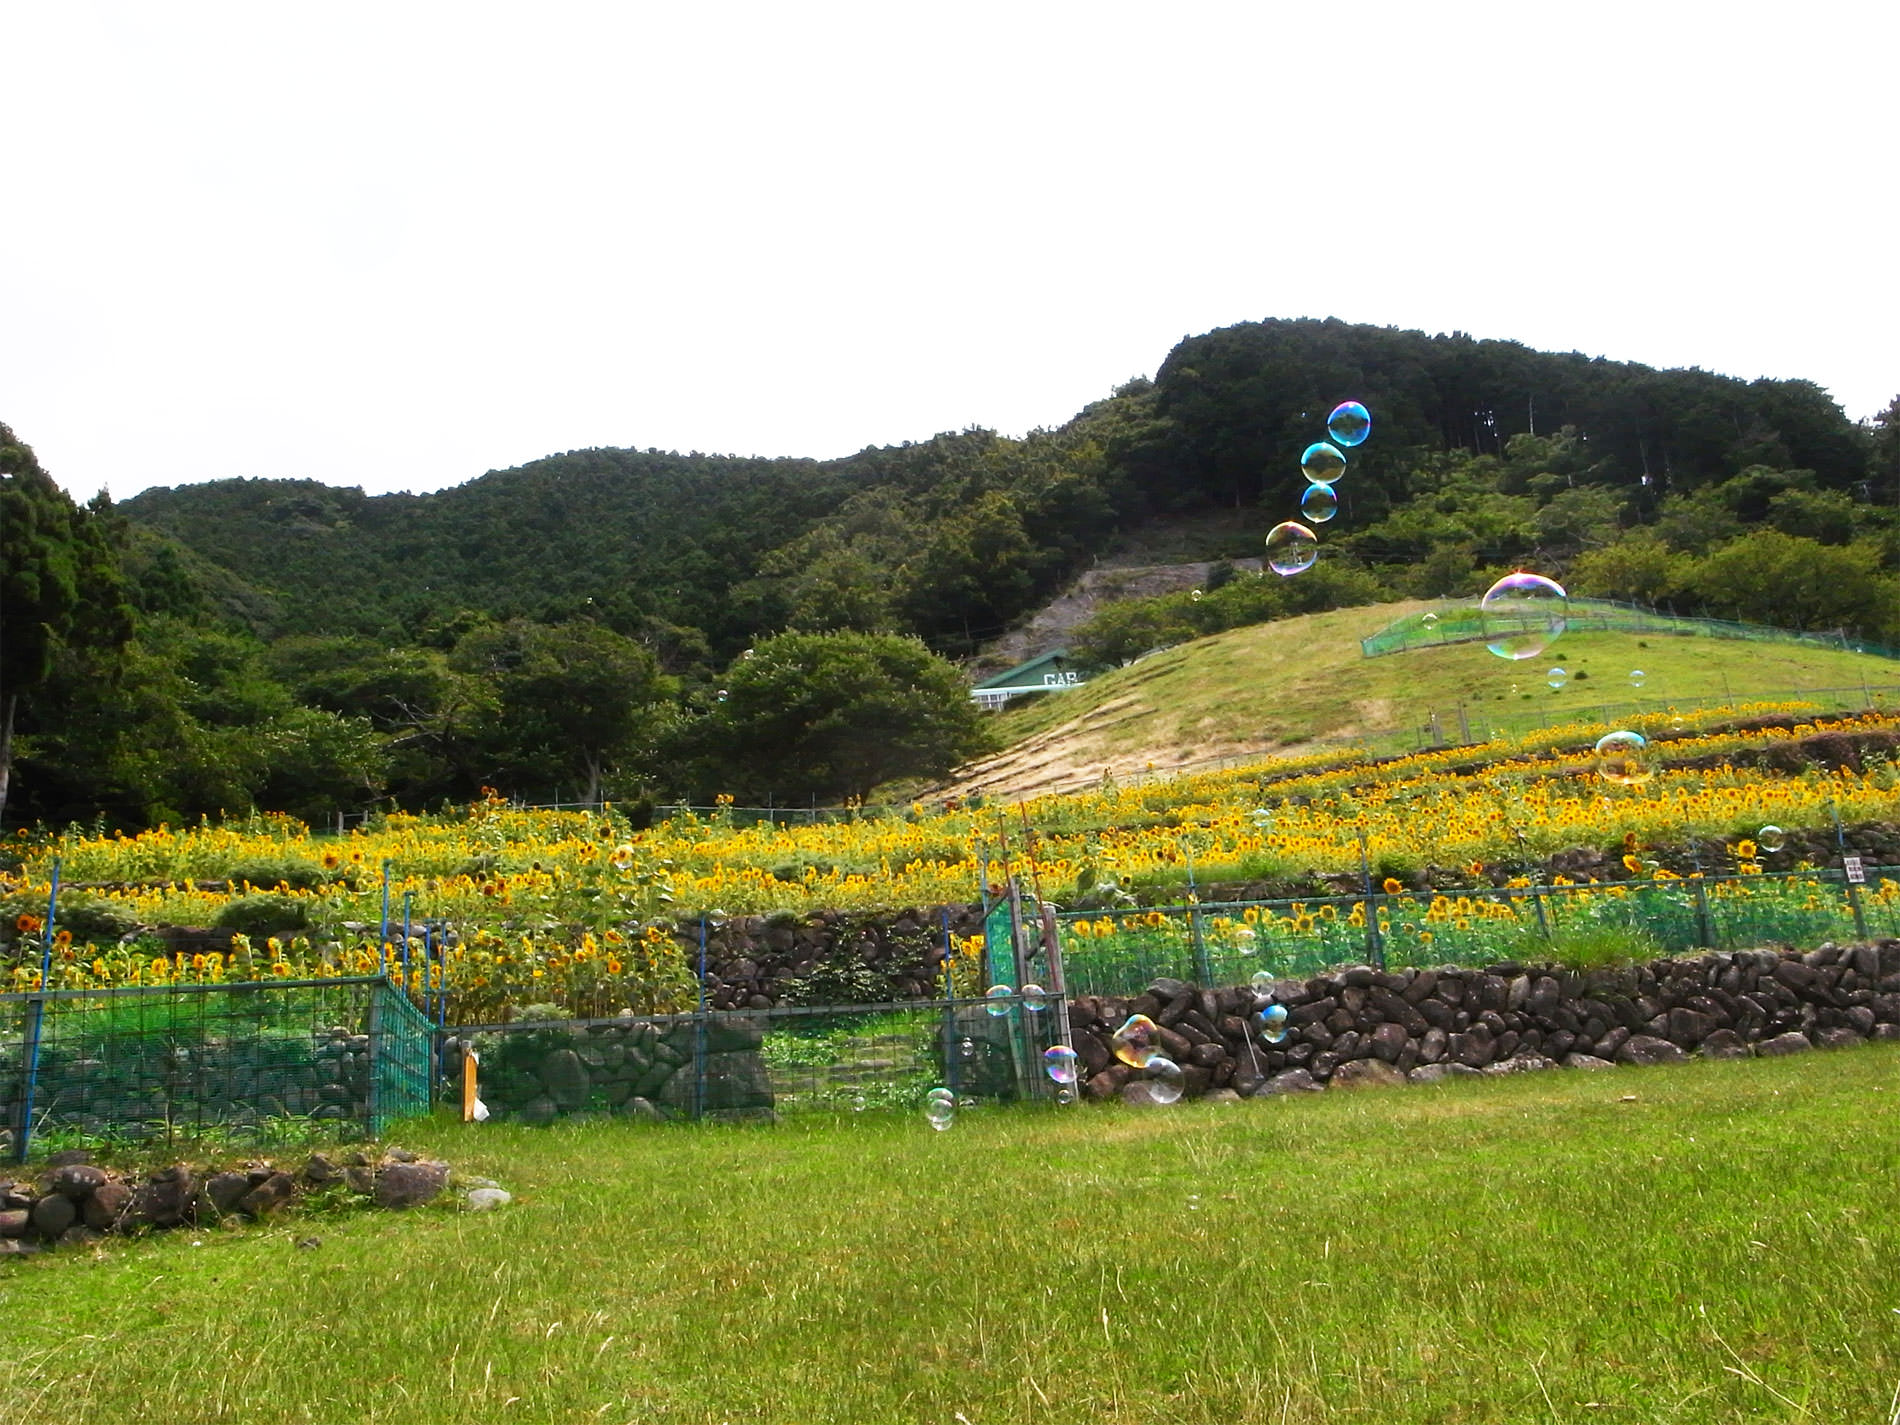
(1365,1026)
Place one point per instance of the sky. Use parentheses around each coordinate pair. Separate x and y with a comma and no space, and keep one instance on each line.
(399,244)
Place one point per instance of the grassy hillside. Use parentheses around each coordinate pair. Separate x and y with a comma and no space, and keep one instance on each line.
(1700,1244)
(1301,684)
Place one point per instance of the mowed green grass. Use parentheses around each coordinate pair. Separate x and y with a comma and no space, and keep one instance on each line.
(1715,1242)
(1303,680)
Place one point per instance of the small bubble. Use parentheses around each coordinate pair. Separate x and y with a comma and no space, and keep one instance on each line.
(1262,983)
(1636,677)
(1322,464)
(1349,424)
(1557,676)
(999,997)
(1319,504)
(1771,839)
(1291,548)
(1430,620)
(1035,998)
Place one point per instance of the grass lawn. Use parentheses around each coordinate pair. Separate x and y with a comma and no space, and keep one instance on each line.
(1715,1242)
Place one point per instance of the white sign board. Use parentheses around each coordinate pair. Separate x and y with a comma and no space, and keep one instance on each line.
(1856,875)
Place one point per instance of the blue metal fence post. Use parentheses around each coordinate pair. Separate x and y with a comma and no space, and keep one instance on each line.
(36,1017)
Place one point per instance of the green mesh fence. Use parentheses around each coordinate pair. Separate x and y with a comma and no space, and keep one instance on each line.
(255,1061)
(753,1064)
(1119,952)
(1466,623)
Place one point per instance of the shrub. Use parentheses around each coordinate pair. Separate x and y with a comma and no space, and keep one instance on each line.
(263,915)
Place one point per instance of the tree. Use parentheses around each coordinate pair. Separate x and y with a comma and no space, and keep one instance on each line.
(1774,578)
(60,590)
(570,702)
(832,715)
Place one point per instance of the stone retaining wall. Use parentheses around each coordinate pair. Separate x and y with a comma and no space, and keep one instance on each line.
(73,1202)
(1366,1026)
(626,1067)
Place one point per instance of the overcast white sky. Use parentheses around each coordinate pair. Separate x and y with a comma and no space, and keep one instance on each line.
(398,244)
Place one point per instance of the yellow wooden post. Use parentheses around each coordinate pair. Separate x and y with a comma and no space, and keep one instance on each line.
(469,1061)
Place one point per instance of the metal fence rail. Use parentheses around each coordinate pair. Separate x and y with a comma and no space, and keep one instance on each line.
(1120,951)
(166,1061)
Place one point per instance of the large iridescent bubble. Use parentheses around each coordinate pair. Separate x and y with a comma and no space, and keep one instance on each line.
(1291,548)
(1135,1043)
(1349,424)
(1166,1082)
(1319,504)
(1623,758)
(1522,614)
(1059,1062)
(1323,463)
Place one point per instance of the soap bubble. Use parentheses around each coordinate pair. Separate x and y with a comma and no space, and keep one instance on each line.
(1165,1080)
(1273,1023)
(1636,677)
(1134,1043)
(1065,1096)
(941,1112)
(1349,424)
(1319,503)
(1430,621)
(1522,614)
(967,1048)
(722,695)
(1195,596)
(1291,548)
(999,997)
(1262,983)
(1035,998)
(941,1095)
(1058,1062)
(1771,839)
(1323,464)
(1557,676)
(1623,758)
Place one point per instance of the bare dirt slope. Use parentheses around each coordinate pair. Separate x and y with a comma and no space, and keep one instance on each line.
(1052,625)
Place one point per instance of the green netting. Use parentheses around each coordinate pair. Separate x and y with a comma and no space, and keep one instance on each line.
(258,1060)
(756,1063)
(1120,952)
(1464,623)
(999,945)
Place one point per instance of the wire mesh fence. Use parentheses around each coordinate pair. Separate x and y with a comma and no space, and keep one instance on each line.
(1468,623)
(758,1064)
(250,1061)
(1120,952)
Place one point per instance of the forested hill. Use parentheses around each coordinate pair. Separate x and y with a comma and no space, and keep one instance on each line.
(953,537)
(625,622)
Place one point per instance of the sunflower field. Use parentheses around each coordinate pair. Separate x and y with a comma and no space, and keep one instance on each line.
(506,906)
